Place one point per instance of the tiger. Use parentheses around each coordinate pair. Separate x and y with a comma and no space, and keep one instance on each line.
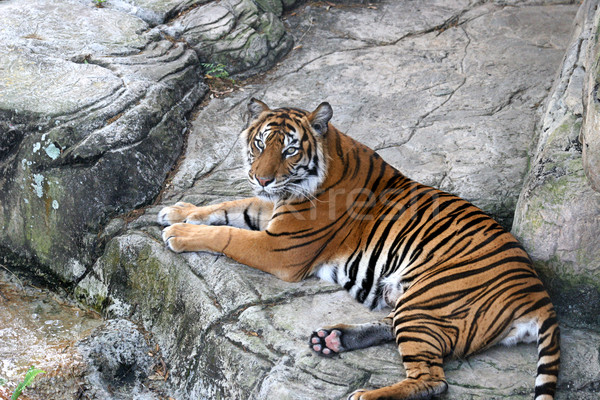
(326,205)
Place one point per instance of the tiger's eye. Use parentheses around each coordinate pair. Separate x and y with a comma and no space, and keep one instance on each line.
(290,151)
(259,144)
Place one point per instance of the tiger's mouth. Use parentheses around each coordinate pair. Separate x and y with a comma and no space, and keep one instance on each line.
(282,190)
(272,192)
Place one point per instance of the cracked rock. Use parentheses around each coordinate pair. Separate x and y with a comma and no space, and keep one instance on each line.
(557,216)
(118,359)
(92,114)
(234,33)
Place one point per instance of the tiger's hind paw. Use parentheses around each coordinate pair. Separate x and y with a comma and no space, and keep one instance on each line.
(326,342)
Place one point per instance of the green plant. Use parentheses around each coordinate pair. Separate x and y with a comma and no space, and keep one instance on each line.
(99,3)
(29,377)
(216,71)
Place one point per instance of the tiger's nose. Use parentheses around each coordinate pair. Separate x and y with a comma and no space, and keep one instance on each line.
(264,181)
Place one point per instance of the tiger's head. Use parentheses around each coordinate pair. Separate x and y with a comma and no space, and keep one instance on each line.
(284,150)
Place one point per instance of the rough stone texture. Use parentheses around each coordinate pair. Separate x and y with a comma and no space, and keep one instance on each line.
(82,356)
(558,214)
(83,92)
(234,33)
(93,106)
(119,358)
(449,92)
(153,12)
(590,131)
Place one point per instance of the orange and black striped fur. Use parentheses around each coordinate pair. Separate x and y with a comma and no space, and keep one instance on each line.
(456,281)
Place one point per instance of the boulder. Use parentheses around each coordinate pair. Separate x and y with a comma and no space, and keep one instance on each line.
(234,33)
(558,212)
(590,130)
(118,358)
(89,105)
(93,114)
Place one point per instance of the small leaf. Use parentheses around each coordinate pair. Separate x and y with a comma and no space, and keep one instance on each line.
(29,377)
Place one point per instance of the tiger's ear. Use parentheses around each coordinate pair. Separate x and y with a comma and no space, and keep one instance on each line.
(320,117)
(256,107)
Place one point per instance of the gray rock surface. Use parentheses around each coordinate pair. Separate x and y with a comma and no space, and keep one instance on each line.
(590,130)
(558,214)
(83,92)
(234,33)
(153,12)
(93,113)
(118,358)
(450,92)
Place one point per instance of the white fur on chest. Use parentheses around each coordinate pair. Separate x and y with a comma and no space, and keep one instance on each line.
(327,272)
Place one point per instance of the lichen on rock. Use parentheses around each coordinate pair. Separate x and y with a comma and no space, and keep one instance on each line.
(557,213)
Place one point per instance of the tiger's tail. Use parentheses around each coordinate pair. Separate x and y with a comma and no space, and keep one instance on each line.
(548,356)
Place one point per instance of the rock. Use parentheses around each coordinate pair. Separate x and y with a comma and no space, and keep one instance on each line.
(118,351)
(67,29)
(273,6)
(119,359)
(92,114)
(93,107)
(229,331)
(82,356)
(590,131)
(153,12)
(40,328)
(557,213)
(234,33)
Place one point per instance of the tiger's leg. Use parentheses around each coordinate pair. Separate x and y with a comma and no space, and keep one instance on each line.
(334,339)
(282,257)
(252,213)
(422,346)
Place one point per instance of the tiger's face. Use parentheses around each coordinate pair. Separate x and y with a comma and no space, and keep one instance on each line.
(284,150)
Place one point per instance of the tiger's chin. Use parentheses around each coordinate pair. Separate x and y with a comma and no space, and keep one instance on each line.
(278,196)
(267,196)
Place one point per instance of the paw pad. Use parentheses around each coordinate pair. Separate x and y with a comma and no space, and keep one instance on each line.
(325,342)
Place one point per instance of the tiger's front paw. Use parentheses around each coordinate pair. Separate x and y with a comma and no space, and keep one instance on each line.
(176,213)
(357,395)
(326,342)
(187,237)
(173,238)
